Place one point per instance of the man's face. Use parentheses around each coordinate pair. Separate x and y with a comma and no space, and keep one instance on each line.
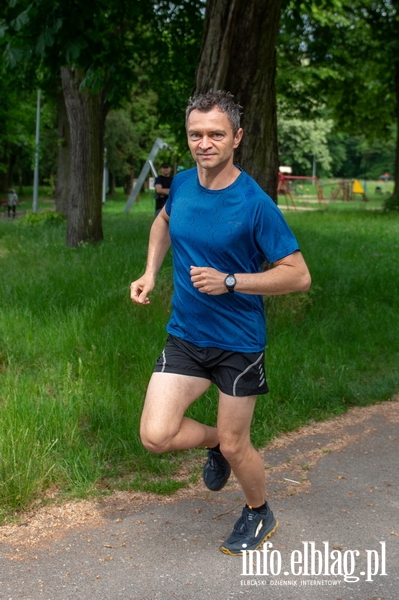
(211,139)
(165,171)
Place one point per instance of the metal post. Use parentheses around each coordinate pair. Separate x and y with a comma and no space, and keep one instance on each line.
(314,169)
(105,176)
(36,171)
(153,169)
(158,145)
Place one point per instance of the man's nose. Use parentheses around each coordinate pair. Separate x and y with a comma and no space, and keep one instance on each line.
(205,141)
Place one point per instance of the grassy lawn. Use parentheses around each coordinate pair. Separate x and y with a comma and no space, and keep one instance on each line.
(76,355)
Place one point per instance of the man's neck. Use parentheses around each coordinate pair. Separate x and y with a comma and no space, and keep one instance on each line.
(214,179)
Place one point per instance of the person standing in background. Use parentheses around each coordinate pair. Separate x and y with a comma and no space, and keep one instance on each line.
(12,202)
(162,187)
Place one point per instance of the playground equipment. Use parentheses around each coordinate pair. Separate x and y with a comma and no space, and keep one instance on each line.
(291,186)
(288,187)
(158,145)
(346,189)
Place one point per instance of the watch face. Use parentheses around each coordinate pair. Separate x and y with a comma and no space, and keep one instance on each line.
(230,280)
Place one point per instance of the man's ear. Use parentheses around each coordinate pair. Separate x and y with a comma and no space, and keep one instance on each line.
(238,137)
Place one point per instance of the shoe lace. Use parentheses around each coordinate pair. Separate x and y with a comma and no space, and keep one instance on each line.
(216,460)
(243,524)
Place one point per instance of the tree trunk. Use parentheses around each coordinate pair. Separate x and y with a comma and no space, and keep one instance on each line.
(111,183)
(128,182)
(86,115)
(396,166)
(239,55)
(63,179)
(4,183)
(20,182)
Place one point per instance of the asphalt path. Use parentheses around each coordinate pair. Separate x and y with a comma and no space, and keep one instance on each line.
(333,487)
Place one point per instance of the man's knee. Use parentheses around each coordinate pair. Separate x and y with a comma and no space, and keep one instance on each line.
(233,449)
(155,440)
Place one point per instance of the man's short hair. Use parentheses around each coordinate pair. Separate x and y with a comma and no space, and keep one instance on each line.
(221,99)
(165,166)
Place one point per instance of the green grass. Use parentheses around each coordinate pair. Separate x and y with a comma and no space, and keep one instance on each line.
(76,354)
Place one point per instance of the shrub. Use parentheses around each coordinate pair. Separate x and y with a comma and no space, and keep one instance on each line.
(48,217)
(391,203)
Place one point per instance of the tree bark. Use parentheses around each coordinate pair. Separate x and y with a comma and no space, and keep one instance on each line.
(239,55)
(63,179)
(128,182)
(111,183)
(4,179)
(86,115)
(395,4)
(396,166)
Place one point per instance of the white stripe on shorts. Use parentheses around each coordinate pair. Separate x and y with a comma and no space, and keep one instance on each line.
(243,373)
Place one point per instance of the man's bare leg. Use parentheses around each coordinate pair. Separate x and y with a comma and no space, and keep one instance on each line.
(163,424)
(234,423)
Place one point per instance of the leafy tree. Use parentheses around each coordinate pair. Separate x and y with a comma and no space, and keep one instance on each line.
(121,142)
(180,26)
(346,59)
(17,131)
(93,48)
(357,157)
(300,141)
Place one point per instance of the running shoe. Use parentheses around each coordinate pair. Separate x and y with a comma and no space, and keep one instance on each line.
(250,531)
(216,471)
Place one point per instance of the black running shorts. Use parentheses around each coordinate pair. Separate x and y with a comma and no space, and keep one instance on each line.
(234,373)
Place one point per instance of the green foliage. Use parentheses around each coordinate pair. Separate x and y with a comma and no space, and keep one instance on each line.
(17,134)
(122,142)
(337,61)
(144,53)
(132,130)
(391,204)
(102,39)
(342,57)
(180,30)
(355,156)
(300,140)
(47,217)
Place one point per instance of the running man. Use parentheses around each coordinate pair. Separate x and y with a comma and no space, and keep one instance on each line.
(222,227)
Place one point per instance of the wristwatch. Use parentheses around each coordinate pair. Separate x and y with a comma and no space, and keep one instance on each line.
(230,282)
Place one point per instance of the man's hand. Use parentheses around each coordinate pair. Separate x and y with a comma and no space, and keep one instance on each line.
(208,280)
(140,288)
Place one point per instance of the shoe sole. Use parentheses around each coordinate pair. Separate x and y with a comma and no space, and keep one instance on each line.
(218,488)
(227,551)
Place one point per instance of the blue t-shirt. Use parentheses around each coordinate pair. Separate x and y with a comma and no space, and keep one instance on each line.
(232,230)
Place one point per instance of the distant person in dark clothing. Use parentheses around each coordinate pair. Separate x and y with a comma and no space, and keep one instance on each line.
(12,202)
(162,187)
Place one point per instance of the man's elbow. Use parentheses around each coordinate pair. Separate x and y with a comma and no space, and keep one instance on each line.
(305,281)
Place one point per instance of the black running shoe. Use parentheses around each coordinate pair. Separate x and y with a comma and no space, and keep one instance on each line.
(250,531)
(216,471)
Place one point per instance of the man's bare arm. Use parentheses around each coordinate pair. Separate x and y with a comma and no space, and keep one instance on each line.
(158,245)
(289,274)
(161,190)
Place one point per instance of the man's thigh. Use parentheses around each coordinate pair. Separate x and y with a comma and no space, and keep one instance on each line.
(168,397)
(234,418)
